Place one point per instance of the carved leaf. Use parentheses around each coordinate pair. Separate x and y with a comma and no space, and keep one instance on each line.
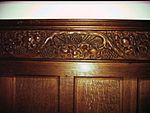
(75,44)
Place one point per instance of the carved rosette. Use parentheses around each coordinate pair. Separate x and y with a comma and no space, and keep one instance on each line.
(75,44)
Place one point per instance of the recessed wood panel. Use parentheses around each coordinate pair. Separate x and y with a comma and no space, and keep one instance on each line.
(98,95)
(36,95)
(144,96)
(7,94)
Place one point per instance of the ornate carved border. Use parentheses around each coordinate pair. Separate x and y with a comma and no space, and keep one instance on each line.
(88,43)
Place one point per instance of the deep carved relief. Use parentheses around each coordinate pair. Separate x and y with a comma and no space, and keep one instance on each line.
(130,45)
(98,95)
(75,45)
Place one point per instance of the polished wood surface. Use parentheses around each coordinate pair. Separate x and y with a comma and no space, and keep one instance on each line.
(74,66)
(7,94)
(75,39)
(98,95)
(75,24)
(47,68)
(66,95)
(130,89)
(38,95)
(144,95)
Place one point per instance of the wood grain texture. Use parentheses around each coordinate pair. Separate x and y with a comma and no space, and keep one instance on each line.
(98,95)
(36,95)
(74,66)
(75,45)
(129,95)
(76,24)
(7,94)
(75,39)
(144,95)
(63,68)
(66,94)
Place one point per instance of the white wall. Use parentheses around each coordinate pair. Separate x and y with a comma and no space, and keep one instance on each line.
(73,9)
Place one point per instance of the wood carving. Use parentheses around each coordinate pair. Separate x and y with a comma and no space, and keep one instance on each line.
(75,44)
(74,66)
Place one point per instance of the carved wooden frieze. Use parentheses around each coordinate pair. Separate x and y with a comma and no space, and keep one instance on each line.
(75,44)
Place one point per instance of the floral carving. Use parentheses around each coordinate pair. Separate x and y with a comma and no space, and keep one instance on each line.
(130,45)
(75,44)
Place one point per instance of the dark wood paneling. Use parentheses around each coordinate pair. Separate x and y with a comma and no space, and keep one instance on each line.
(63,68)
(74,45)
(66,94)
(76,24)
(36,95)
(98,95)
(144,95)
(129,95)
(74,66)
(7,94)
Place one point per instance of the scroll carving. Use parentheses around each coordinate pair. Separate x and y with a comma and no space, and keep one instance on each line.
(75,44)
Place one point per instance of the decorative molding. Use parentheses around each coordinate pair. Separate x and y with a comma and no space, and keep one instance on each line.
(75,44)
(75,24)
